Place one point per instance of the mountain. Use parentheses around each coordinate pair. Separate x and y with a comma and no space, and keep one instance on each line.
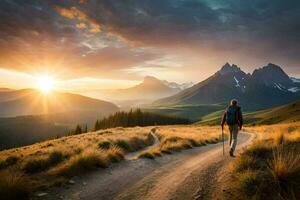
(32,102)
(28,116)
(281,114)
(266,87)
(148,90)
(182,86)
(295,80)
(5,89)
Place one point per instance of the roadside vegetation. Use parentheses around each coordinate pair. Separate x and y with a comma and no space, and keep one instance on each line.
(28,169)
(270,167)
(55,161)
(176,138)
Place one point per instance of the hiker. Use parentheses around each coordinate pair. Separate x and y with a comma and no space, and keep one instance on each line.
(234,119)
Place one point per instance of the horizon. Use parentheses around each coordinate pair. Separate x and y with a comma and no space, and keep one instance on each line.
(62,85)
(89,45)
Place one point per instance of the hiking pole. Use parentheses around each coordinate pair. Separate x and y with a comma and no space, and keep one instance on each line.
(223,141)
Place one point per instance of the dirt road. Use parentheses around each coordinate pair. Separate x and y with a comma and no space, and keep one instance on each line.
(190,174)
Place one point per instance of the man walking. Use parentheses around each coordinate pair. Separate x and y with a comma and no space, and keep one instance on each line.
(234,119)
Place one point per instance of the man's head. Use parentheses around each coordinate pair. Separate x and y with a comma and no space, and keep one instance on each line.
(234,102)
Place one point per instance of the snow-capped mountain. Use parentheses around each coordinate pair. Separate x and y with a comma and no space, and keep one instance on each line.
(182,86)
(265,87)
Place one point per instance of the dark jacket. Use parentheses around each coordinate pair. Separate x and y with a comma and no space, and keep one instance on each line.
(239,117)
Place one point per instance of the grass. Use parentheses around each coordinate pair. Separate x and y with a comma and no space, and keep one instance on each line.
(48,163)
(9,161)
(150,154)
(13,185)
(81,163)
(270,167)
(177,138)
(37,165)
(53,162)
(282,114)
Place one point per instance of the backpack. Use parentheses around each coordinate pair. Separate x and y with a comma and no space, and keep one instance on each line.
(232,115)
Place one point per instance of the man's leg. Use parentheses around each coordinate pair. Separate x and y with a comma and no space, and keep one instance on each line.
(230,137)
(235,130)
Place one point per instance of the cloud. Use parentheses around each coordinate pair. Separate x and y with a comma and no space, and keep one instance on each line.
(84,20)
(101,37)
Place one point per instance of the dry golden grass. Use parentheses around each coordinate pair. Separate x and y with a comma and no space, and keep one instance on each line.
(176,138)
(46,162)
(51,162)
(14,185)
(270,167)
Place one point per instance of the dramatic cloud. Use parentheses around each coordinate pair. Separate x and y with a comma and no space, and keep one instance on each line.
(117,38)
(84,21)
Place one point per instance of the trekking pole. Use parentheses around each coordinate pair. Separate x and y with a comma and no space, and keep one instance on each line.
(223,141)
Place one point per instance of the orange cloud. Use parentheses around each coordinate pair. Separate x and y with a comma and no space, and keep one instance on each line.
(85,21)
(81,25)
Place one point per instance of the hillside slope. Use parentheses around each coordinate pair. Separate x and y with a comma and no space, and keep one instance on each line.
(286,113)
(32,102)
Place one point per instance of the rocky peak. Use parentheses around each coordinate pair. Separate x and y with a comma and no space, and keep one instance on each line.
(151,80)
(271,74)
(227,68)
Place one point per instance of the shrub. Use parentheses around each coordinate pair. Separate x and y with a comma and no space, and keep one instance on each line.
(285,165)
(9,161)
(13,185)
(115,154)
(54,158)
(104,145)
(245,162)
(146,155)
(34,166)
(38,165)
(176,146)
(86,161)
(136,143)
(249,183)
(123,144)
(259,150)
(151,153)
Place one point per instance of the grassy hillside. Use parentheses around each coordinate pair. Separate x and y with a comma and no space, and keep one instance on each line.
(25,130)
(286,113)
(192,112)
(269,168)
(27,169)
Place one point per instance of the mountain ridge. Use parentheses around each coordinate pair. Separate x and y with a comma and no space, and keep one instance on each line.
(150,89)
(32,102)
(266,87)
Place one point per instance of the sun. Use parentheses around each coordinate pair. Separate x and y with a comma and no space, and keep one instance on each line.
(45,83)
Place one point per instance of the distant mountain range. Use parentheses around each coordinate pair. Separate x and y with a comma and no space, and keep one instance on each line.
(32,102)
(28,116)
(148,90)
(266,87)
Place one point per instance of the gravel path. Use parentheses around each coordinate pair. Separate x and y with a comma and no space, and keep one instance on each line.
(190,174)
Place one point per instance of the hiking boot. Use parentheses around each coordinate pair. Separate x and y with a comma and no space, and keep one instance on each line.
(231,153)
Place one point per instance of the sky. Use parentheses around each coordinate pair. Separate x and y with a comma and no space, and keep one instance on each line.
(104,44)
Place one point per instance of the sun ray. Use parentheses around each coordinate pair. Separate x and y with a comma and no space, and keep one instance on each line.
(45,83)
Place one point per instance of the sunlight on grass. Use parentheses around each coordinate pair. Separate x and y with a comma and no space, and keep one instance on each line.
(270,167)
(54,161)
